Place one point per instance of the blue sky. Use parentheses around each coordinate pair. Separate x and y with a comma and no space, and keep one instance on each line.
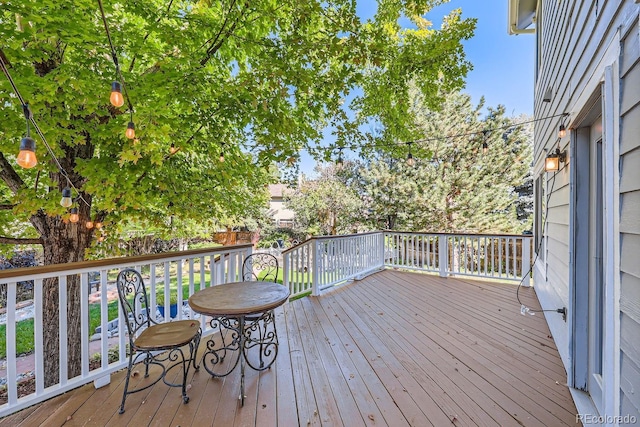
(503,65)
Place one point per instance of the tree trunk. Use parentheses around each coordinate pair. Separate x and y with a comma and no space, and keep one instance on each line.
(64,242)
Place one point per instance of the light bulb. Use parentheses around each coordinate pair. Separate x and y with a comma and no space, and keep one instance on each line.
(27,155)
(98,225)
(89,224)
(173,149)
(485,148)
(74,217)
(101,239)
(410,160)
(221,157)
(131,130)
(117,100)
(562,131)
(66,201)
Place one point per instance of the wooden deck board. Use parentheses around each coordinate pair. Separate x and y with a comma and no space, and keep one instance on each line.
(435,369)
(472,357)
(393,349)
(508,350)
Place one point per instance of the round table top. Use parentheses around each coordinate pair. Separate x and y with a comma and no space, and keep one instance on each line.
(238,298)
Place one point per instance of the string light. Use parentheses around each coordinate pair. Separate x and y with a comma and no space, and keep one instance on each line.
(89,224)
(562,131)
(340,162)
(66,200)
(27,155)
(98,225)
(131,130)
(173,149)
(74,217)
(410,160)
(116,98)
(485,145)
(221,157)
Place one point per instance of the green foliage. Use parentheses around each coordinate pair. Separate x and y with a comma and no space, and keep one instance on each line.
(173,298)
(255,80)
(270,234)
(327,205)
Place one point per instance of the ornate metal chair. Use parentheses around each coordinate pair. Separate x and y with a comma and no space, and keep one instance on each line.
(157,343)
(260,267)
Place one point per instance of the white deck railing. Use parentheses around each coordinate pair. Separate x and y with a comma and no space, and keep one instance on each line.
(196,269)
(322,262)
(311,267)
(505,257)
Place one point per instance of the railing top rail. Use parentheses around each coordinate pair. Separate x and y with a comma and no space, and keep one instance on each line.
(459,234)
(339,236)
(102,263)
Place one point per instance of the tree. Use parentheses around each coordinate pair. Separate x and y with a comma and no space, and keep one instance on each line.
(253,80)
(455,186)
(327,205)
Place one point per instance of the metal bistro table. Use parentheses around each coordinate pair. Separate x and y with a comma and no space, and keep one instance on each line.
(242,316)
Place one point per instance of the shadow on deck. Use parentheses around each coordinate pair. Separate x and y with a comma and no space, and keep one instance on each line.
(393,349)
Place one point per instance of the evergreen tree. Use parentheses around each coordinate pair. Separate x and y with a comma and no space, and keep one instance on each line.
(454,186)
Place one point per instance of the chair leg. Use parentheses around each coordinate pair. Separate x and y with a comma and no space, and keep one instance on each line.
(194,350)
(185,372)
(126,383)
(147,362)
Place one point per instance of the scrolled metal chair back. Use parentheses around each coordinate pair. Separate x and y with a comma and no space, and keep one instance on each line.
(134,301)
(260,266)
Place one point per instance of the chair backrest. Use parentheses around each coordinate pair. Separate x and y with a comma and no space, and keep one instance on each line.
(134,301)
(260,266)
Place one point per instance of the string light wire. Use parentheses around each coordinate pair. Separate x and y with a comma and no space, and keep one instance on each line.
(115,57)
(37,128)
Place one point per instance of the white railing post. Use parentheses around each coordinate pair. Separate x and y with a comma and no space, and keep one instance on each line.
(381,241)
(526,261)
(443,255)
(285,271)
(315,286)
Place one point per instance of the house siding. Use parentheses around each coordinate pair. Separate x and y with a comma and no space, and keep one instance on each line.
(575,40)
(630,221)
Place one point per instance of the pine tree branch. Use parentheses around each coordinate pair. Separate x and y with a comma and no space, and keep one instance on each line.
(18,241)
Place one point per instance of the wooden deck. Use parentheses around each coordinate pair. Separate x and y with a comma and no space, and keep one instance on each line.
(393,349)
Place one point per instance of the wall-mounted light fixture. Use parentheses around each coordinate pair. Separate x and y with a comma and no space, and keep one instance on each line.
(553,160)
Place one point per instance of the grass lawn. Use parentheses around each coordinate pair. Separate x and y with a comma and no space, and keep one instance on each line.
(24,338)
